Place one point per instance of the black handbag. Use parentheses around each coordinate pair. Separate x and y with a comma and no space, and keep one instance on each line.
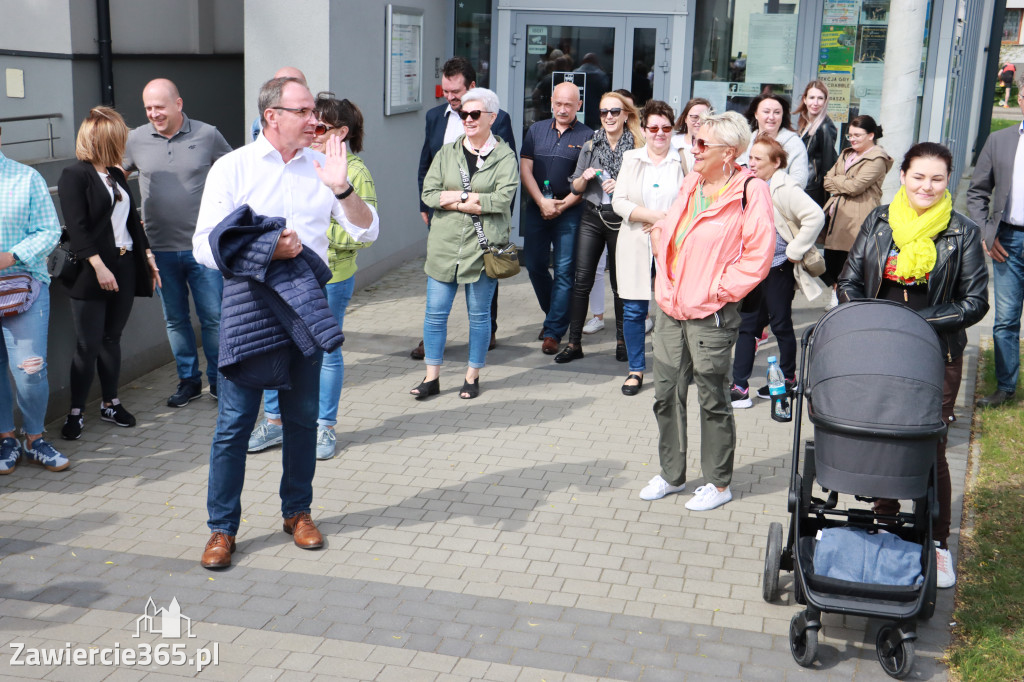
(62,263)
(500,262)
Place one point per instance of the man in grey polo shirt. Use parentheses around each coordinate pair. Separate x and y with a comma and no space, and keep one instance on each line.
(173,154)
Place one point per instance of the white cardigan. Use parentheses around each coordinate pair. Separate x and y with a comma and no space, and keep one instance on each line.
(796,211)
(798,166)
(633,246)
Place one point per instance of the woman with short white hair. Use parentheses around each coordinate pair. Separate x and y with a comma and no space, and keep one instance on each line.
(711,249)
(471,179)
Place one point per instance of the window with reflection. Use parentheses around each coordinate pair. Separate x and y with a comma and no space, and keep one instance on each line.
(741,48)
(473,37)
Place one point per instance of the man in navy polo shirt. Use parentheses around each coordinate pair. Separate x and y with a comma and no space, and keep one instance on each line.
(549,153)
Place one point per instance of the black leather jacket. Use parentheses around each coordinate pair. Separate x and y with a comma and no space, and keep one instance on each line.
(957,285)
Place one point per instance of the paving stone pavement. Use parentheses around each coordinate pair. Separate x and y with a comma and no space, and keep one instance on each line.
(494,539)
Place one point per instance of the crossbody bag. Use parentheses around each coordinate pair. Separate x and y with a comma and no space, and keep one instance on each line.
(500,262)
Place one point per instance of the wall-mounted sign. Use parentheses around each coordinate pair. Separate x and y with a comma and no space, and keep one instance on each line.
(403,72)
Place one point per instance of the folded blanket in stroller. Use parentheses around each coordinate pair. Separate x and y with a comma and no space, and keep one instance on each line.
(856,555)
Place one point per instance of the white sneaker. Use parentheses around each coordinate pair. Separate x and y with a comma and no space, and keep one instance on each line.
(708,497)
(648,325)
(944,575)
(832,302)
(593,325)
(658,488)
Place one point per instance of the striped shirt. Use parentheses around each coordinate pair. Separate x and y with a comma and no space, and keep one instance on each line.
(29,228)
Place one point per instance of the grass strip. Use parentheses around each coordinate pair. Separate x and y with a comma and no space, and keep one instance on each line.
(988,640)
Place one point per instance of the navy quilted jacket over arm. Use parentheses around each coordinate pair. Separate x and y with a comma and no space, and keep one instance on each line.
(268,305)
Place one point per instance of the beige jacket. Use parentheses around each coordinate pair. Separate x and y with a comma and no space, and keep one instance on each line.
(798,220)
(633,246)
(855,193)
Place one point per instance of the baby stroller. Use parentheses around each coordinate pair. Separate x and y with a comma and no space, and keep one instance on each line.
(874,396)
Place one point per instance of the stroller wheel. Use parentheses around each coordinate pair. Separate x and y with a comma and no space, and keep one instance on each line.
(897,659)
(772,563)
(803,645)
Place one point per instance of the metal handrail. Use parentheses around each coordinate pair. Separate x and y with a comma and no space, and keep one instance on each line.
(50,138)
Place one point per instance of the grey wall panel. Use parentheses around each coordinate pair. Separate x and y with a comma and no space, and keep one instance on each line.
(213,89)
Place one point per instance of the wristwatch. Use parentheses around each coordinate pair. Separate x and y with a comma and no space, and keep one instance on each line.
(464,196)
(344,195)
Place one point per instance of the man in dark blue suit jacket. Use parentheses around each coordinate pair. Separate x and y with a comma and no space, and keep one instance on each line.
(443,125)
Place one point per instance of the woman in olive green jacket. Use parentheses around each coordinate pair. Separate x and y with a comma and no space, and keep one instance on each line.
(454,253)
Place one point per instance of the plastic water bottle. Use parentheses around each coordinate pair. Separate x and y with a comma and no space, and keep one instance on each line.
(547,191)
(599,174)
(782,411)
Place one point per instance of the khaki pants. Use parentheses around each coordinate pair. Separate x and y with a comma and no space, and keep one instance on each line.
(700,350)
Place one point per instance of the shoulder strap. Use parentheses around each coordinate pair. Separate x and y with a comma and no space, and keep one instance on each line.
(743,199)
(477,224)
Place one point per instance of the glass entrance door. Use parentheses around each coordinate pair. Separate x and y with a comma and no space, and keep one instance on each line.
(598,53)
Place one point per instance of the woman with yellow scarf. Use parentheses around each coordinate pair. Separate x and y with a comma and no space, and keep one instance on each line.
(921,253)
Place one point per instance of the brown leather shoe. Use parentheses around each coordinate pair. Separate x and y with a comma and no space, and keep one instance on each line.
(218,550)
(550,346)
(303,530)
(418,353)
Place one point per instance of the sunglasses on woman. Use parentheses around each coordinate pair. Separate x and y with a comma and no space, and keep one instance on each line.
(475,115)
(654,129)
(614,112)
(702,146)
(321,128)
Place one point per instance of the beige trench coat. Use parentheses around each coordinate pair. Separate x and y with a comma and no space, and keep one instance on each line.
(855,193)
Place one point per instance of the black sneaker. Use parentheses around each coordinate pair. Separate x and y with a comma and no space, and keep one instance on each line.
(186,393)
(763,391)
(72,429)
(117,414)
(213,391)
(740,397)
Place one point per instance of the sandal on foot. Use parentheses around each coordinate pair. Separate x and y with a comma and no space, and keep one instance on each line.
(470,390)
(426,389)
(628,389)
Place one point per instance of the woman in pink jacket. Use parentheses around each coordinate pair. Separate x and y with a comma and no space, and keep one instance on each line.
(714,246)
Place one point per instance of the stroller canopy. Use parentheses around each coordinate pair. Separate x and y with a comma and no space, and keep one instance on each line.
(876,364)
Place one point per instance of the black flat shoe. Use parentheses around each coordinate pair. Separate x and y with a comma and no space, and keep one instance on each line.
(569,353)
(620,353)
(470,390)
(629,389)
(426,389)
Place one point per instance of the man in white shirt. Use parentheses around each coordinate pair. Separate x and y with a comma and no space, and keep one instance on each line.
(277,175)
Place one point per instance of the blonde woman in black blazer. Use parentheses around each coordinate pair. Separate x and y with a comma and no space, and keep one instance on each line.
(115,263)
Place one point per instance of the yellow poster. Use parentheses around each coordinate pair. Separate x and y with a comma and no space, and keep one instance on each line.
(839,83)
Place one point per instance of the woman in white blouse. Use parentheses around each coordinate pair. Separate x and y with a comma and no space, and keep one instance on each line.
(648,182)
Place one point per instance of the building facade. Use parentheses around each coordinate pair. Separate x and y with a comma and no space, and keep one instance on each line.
(919,66)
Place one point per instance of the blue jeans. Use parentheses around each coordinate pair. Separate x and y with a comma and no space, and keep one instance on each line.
(179,272)
(1008,279)
(440,296)
(332,375)
(25,339)
(634,319)
(237,410)
(539,238)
